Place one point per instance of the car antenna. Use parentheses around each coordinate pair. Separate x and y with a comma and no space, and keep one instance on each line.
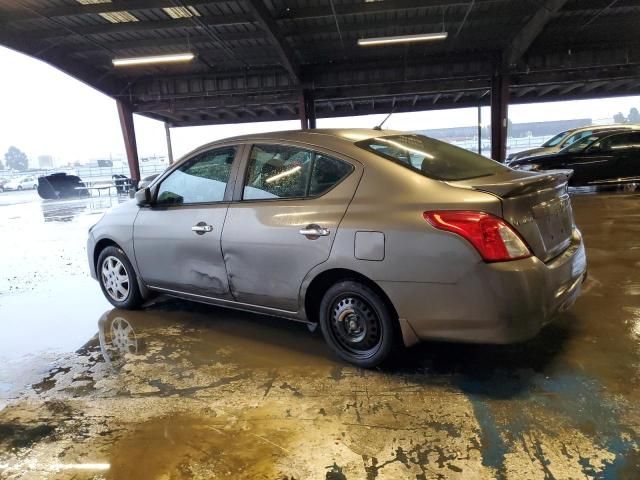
(379,127)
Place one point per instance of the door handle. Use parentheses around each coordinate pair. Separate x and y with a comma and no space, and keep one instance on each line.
(201,228)
(314,231)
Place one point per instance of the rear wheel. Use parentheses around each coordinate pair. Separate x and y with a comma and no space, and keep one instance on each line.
(356,324)
(118,279)
(19,187)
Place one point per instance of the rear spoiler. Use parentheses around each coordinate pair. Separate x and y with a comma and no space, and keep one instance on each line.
(517,182)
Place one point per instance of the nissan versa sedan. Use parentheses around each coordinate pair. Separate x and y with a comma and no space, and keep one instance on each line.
(382,238)
(609,157)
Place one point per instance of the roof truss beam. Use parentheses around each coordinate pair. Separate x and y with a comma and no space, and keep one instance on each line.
(268,24)
(371,7)
(523,41)
(113,6)
(127,27)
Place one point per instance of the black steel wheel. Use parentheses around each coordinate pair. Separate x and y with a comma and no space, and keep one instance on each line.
(357,324)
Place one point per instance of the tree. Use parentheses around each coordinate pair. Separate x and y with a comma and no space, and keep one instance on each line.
(634,116)
(619,118)
(16,159)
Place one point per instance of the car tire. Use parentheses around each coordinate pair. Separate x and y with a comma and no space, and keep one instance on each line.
(35,187)
(19,187)
(357,324)
(118,279)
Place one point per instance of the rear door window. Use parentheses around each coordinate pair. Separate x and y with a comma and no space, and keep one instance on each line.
(281,171)
(623,142)
(432,158)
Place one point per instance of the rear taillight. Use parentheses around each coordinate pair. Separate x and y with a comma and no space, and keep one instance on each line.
(495,240)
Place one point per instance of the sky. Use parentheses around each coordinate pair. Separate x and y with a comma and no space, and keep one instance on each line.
(46,112)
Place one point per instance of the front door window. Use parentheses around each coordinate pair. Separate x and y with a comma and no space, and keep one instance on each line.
(203,179)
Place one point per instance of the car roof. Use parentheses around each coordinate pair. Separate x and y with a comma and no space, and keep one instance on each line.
(613,126)
(350,135)
(603,133)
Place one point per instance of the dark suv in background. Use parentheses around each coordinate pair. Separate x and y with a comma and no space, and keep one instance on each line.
(607,157)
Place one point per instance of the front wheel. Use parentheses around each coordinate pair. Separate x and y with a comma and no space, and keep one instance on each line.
(357,324)
(19,187)
(118,279)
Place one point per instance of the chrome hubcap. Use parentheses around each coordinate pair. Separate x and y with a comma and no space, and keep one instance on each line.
(115,278)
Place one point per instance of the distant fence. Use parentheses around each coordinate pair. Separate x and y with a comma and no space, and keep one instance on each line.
(89,174)
(514,145)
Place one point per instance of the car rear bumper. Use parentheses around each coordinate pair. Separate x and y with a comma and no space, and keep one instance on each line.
(495,303)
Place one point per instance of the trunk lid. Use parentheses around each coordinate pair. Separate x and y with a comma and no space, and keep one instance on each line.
(537,205)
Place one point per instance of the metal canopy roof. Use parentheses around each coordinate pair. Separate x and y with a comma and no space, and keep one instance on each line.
(254,57)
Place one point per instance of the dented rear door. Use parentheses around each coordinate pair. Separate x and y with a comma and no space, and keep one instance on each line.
(289,206)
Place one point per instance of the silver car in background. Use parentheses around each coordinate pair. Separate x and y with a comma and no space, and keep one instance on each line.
(382,238)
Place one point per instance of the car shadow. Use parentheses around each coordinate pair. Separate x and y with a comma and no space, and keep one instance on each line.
(493,371)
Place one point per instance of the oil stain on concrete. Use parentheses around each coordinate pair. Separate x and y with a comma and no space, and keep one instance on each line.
(180,390)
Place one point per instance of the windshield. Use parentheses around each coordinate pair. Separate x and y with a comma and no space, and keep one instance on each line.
(576,137)
(553,141)
(581,144)
(432,158)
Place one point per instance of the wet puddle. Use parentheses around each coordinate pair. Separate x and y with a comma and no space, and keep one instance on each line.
(185,391)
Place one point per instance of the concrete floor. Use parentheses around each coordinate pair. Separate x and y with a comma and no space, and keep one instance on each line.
(181,390)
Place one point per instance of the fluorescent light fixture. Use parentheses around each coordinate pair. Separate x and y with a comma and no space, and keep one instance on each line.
(286,173)
(423,37)
(181,12)
(80,466)
(119,17)
(170,58)
(404,147)
(93,2)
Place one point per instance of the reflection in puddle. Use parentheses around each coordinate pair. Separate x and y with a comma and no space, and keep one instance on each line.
(117,338)
(68,210)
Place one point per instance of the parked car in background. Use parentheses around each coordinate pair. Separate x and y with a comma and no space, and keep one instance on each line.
(566,138)
(61,185)
(382,238)
(22,183)
(607,157)
(122,182)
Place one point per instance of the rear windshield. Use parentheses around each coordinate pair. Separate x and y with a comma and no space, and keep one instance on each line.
(432,158)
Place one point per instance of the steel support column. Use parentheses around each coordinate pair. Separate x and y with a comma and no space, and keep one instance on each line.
(479,130)
(129,135)
(167,132)
(307,110)
(311,109)
(499,116)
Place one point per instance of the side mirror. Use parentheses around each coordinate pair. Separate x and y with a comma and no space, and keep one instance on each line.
(143,197)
